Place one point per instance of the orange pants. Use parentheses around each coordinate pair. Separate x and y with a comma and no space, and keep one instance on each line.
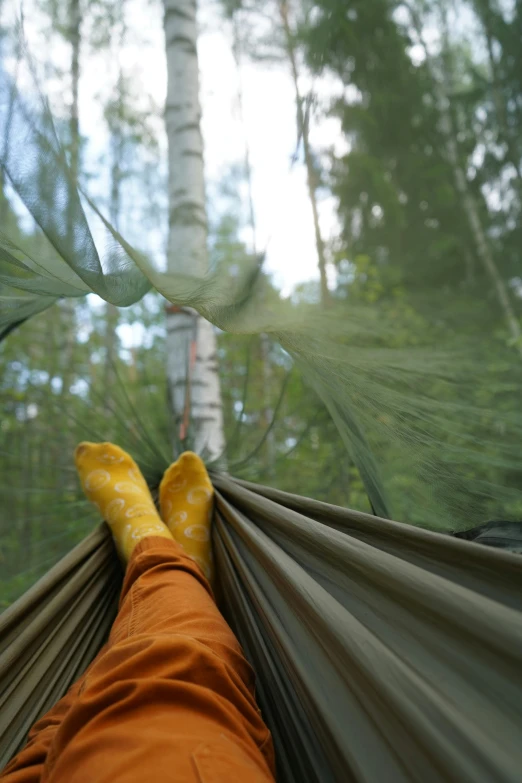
(170,697)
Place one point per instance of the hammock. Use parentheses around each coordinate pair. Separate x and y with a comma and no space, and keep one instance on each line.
(383,652)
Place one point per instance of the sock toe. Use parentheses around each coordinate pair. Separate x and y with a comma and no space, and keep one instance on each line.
(113,482)
(186,503)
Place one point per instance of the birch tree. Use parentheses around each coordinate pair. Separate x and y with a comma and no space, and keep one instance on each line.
(192,366)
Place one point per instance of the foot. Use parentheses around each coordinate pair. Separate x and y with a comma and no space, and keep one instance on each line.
(113,482)
(186,503)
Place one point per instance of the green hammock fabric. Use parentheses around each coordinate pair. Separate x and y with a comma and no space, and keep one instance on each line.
(50,635)
(383,652)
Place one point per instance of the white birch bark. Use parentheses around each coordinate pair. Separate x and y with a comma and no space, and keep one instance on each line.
(195,382)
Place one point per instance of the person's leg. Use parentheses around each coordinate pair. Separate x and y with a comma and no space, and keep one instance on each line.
(186,497)
(112,480)
(171,697)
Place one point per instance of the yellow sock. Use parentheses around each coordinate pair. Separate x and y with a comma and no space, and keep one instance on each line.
(114,483)
(186,503)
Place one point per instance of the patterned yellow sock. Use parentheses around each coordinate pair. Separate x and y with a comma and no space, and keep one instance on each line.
(114,483)
(186,503)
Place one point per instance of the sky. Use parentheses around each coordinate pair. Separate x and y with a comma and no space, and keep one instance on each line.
(282,206)
(267,124)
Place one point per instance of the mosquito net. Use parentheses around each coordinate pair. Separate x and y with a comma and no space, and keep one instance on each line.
(397,395)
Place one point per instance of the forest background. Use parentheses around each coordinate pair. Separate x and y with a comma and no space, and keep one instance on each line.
(367,151)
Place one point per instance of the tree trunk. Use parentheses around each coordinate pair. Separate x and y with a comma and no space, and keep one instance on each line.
(68,305)
(112,312)
(237,52)
(303,133)
(75,20)
(268,413)
(500,104)
(192,366)
(442,90)
(264,342)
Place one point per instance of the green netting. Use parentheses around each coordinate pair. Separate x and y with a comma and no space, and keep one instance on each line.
(399,393)
(441,405)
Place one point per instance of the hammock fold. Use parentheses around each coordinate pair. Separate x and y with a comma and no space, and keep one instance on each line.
(383,651)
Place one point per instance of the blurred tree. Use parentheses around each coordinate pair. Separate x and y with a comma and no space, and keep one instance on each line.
(502,38)
(441,72)
(133,145)
(405,221)
(420,238)
(267,30)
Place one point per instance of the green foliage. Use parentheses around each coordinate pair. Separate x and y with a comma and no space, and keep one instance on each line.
(407,387)
(408,247)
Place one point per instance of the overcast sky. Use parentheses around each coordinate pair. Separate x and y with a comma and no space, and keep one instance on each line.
(268,125)
(282,206)
(283,213)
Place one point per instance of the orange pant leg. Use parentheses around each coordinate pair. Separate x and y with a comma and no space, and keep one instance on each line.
(171,697)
